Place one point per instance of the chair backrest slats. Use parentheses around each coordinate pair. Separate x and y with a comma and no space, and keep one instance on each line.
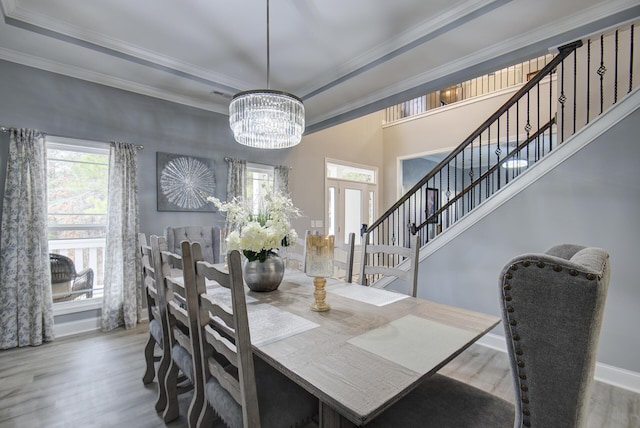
(225,333)
(409,255)
(226,380)
(218,310)
(157,288)
(220,343)
(347,264)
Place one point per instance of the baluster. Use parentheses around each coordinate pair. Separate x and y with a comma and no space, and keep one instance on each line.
(498,153)
(588,76)
(631,60)
(601,71)
(615,70)
(575,89)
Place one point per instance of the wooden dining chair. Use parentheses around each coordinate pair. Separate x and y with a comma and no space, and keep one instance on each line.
(155,327)
(375,257)
(240,388)
(182,333)
(155,289)
(343,258)
(552,307)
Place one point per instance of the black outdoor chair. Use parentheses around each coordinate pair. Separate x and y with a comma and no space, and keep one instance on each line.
(66,283)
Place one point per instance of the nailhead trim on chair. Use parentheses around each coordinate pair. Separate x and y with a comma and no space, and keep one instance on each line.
(515,337)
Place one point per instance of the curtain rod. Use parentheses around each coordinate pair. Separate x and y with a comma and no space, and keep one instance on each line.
(228,159)
(10,128)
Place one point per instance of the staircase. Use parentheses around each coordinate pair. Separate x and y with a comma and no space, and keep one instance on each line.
(584,79)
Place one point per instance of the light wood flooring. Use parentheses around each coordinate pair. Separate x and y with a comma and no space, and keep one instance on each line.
(94,380)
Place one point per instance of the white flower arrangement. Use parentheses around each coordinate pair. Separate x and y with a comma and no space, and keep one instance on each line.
(258,235)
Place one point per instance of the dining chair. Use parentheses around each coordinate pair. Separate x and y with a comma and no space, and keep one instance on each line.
(155,326)
(157,306)
(157,298)
(372,270)
(343,258)
(240,388)
(181,332)
(552,306)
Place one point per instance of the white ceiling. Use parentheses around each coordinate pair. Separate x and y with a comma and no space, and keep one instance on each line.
(344,58)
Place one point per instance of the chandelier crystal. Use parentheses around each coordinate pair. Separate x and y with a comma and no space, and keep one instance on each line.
(266,119)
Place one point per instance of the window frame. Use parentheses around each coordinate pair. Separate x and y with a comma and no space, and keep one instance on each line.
(86,146)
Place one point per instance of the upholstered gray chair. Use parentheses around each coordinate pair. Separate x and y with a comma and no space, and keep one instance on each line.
(552,309)
(207,236)
(552,306)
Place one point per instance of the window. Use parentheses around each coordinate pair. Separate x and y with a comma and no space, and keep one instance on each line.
(260,182)
(351,173)
(77,188)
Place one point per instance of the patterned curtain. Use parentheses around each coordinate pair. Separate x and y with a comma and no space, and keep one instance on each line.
(122,303)
(281,179)
(26,306)
(236,179)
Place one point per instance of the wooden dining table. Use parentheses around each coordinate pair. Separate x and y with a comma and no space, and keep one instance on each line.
(369,350)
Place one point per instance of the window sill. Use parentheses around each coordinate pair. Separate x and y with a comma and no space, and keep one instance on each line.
(64,308)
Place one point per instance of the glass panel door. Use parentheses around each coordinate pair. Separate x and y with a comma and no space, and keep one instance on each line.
(350,205)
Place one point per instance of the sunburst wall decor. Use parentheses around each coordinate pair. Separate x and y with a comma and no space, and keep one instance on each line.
(185,182)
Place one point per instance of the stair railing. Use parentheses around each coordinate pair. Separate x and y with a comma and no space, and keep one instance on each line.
(555,103)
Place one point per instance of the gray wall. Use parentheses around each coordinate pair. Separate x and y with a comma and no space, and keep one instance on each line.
(591,199)
(64,106)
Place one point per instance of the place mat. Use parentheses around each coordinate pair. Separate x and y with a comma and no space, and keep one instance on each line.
(413,342)
(372,296)
(269,324)
(223,295)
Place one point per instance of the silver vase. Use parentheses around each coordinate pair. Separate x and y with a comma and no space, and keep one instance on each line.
(263,276)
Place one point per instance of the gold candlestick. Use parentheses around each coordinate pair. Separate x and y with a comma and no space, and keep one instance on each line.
(319,265)
(320,305)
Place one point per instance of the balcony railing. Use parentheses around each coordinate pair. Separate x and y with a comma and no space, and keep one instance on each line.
(501,79)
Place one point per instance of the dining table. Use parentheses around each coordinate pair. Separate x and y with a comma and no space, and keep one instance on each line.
(371,348)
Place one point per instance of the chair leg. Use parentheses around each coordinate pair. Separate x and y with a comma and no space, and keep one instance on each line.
(172,409)
(197,402)
(150,371)
(163,369)
(207,416)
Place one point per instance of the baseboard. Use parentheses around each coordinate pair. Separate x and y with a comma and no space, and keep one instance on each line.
(605,373)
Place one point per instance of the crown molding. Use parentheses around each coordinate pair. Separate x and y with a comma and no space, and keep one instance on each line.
(105,80)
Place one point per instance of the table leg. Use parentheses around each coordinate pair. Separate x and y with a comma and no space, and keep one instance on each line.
(330,418)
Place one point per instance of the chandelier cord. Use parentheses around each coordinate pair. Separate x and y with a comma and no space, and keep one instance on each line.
(268,56)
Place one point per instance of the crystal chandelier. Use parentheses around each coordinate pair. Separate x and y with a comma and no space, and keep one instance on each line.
(264,118)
